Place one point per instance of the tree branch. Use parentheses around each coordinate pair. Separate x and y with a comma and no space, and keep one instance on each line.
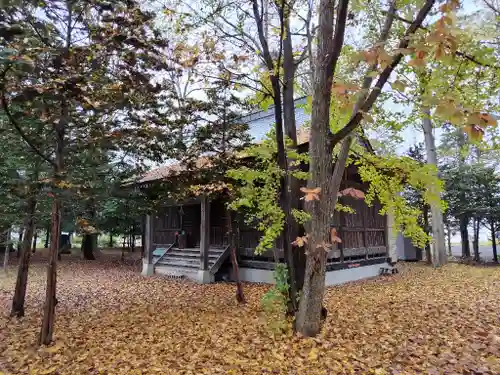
(23,135)
(14,122)
(384,76)
(457,53)
(338,38)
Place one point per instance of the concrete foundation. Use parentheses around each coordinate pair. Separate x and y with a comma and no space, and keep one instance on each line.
(353,274)
(254,275)
(332,277)
(148,269)
(205,277)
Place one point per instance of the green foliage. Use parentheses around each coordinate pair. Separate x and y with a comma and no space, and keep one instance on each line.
(258,192)
(274,301)
(388,178)
(301,216)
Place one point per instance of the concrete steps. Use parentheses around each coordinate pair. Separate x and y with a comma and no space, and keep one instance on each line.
(178,263)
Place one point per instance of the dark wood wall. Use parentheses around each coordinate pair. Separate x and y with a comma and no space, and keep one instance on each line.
(363,232)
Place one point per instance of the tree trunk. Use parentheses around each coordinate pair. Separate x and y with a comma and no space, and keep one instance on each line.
(448,230)
(476,224)
(132,239)
(439,249)
(494,241)
(22,270)
(143,236)
(50,296)
(89,245)
(47,328)
(464,236)
(322,205)
(47,237)
(308,321)
(6,251)
(240,297)
(428,253)
(20,241)
(285,202)
(293,255)
(110,244)
(35,240)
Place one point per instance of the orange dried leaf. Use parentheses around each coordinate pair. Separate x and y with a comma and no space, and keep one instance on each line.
(300,241)
(488,119)
(334,238)
(475,132)
(352,192)
(311,194)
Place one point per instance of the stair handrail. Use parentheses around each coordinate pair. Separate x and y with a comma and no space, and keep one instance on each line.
(166,251)
(220,260)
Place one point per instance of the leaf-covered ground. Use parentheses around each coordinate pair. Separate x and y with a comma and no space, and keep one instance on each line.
(110,320)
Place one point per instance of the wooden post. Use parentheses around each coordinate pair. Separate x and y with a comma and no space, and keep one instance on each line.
(204,233)
(147,262)
(391,238)
(365,234)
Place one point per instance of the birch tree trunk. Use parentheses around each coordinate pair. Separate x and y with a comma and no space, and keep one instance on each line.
(438,255)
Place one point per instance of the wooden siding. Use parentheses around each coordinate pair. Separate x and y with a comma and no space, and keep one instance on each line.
(363,232)
(166,222)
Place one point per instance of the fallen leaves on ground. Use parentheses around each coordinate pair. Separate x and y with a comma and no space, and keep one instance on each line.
(111,320)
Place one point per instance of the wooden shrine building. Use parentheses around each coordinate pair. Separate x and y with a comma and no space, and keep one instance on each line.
(189,238)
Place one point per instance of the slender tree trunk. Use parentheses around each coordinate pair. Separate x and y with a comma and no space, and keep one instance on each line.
(240,296)
(282,158)
(6,251)
(464,236)
(47,328)
(476,224)
(143,237)
(20,241)
(50,297)
(89,241)
(428,253)
(89,246)
(439,249)
(448,230)
(494,241)
(35,240)
(295,257)
(132,239)
(24,261)
(110,244)
(47,237)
